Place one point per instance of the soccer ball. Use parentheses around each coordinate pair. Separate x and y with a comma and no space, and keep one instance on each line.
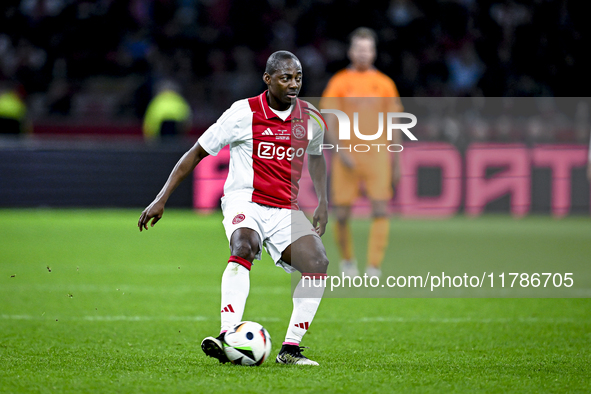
(247,343)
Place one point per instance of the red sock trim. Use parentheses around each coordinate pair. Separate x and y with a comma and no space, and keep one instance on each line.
(313,275)
(291,343)
(239,260)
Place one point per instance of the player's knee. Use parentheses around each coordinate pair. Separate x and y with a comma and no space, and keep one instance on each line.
(379,209)
(342,217)
(319,264)
(378,214)
(245,250)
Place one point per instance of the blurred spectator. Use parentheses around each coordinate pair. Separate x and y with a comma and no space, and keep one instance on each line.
(465,70)
(168,114)
(12,112)
(402,12)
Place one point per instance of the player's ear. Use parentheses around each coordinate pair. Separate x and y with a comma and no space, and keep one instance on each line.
(267,79)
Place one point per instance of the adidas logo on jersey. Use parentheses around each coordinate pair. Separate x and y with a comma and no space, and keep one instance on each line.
(228,308)
(302,325)
(268,132)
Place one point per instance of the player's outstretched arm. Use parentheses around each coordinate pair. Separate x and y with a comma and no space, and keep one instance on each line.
(183,167)
(317,169)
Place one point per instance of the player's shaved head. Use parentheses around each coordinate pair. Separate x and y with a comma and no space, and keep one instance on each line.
(277,60)
(283,76)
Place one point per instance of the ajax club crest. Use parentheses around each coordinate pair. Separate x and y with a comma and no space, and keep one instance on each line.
(298,131)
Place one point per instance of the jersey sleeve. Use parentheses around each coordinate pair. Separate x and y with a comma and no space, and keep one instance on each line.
(314,147)
(395,105)
(226,129)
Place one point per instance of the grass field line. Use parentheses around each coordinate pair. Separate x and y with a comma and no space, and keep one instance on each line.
(144,289)
(517,292)
(393,319)
(125,318)
(373,319)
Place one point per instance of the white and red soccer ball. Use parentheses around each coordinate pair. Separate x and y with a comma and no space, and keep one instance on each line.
(247,343)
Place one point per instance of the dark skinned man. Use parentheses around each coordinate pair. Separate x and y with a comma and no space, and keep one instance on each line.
(268,141)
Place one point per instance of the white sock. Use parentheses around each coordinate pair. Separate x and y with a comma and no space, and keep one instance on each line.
(235,288)
(306,299)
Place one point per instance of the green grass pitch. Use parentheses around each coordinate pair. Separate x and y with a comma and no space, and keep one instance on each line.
(88,304)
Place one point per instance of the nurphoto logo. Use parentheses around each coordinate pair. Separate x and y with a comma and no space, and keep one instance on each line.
(344,130)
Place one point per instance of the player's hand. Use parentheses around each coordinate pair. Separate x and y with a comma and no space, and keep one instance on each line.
(320,219)
(347,160)
(153,212)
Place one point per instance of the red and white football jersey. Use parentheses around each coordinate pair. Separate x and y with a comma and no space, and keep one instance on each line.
(266,152)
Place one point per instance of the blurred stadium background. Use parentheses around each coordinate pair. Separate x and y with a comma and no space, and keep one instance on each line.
(85,71)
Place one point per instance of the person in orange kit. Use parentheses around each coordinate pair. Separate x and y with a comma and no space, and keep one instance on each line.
(376,170)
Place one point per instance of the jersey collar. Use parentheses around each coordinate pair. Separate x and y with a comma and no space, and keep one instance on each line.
(353,69)
(296,112)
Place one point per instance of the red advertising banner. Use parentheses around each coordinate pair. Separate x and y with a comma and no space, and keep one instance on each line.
(466,182)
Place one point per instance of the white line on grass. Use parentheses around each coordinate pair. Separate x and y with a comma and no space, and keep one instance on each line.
(375,319)
(126,318)
(143,289)
(393,319)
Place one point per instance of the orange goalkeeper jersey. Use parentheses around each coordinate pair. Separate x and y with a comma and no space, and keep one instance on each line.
(366,92)
(352,83)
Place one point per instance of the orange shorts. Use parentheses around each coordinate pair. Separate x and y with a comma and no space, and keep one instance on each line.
(374,176)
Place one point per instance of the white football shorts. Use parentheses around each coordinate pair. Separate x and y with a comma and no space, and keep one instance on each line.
(277,227)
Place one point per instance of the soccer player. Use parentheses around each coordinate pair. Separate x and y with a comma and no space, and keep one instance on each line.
(376,169)
(267,144)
